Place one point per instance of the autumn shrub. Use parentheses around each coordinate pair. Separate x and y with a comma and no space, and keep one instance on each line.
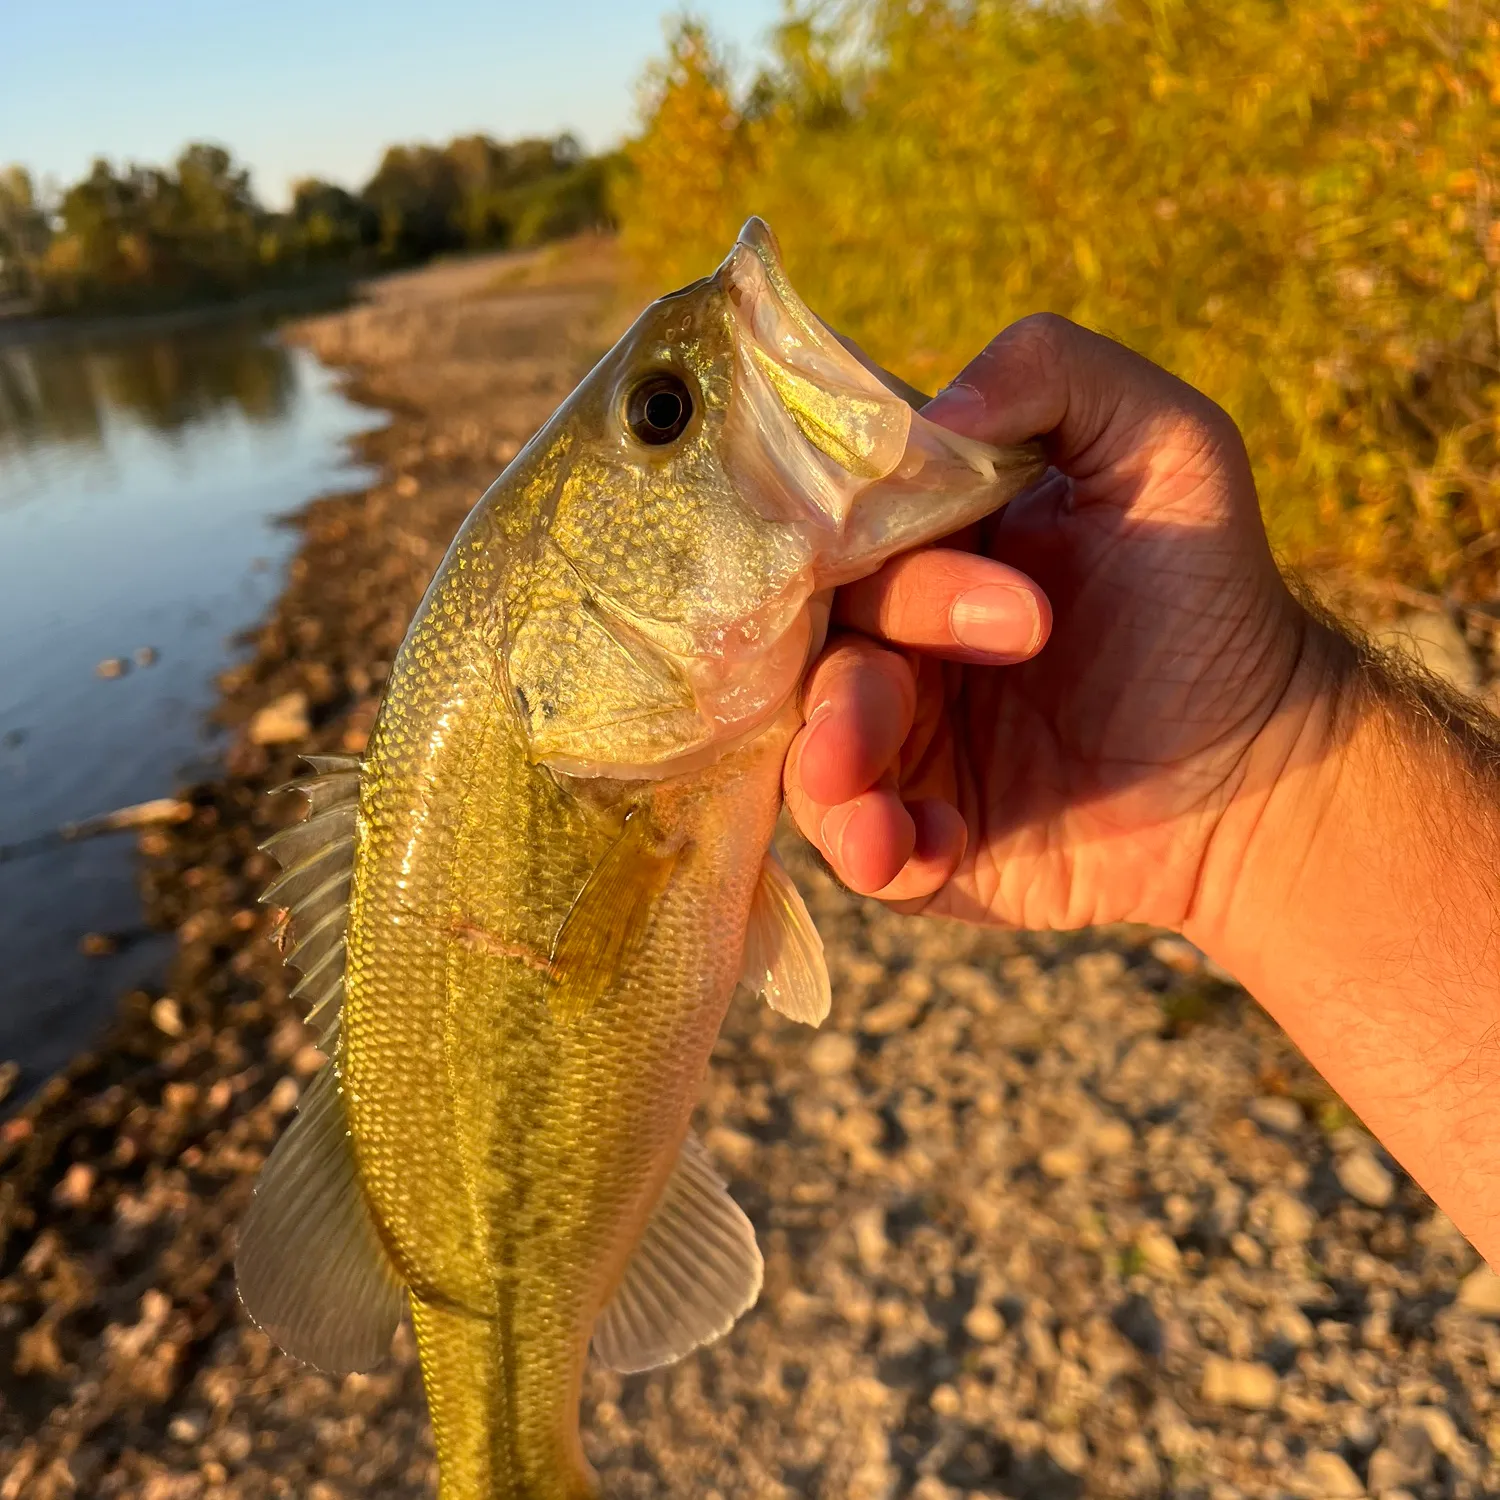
(1292,203)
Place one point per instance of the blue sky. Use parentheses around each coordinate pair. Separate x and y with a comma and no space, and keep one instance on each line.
(317,87)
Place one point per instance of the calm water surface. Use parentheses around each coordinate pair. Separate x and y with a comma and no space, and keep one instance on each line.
(141,483)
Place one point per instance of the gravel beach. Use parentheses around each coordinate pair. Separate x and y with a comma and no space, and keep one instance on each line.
(1044,1217)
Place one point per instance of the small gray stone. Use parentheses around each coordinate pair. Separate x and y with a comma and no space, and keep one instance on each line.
(1404,1459)
(1363,1178)
(1327,1474)
(1277,1113)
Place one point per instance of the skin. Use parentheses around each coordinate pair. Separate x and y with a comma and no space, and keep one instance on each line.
(1108,706)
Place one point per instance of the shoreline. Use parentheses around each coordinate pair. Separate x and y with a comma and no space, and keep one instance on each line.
(1060,1214)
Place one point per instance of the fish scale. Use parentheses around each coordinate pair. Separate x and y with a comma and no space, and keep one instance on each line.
(561,869)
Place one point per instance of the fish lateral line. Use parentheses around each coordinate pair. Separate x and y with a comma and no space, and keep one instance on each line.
(477,939)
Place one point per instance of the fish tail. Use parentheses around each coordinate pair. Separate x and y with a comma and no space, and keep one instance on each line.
(498,1436)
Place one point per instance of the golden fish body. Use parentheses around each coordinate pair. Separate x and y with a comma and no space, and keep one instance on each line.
(522,917)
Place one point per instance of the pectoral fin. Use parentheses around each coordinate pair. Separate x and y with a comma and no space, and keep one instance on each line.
(312,1270)
(783,951)
(608,921)
(696,1269)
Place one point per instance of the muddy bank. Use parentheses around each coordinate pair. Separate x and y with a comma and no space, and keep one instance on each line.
(1043,1217)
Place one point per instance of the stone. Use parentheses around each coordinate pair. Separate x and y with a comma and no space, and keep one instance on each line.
(890,1016)
(1364,1179)
(1327,1474)
(1275,1112)
(1158,1249)
(1292,1326)
(983,1324)
(283,1098)
(1404,1460)
(145,656)
(1280,1218)
(166,1016)
(283,721)
(76,1185)
(1112,1138)
(870,1242)
(1063,1162)
(1479,1292)
(832,1055)
(1240,1382)
(112,667)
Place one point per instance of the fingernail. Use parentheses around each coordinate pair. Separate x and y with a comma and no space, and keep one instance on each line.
(835,825)
(996,620)
(954,403)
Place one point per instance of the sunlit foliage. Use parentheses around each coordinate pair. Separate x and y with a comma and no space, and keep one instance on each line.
(1290,202)
(141,237)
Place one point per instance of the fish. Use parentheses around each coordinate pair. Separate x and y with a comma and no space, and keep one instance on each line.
(521,915)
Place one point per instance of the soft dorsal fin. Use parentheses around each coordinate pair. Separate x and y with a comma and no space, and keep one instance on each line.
(696,1269)
(311,1267)
(608,920)
(783,951)
(317,868)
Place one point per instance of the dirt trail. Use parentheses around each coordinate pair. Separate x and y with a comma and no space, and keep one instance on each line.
(1043,1217)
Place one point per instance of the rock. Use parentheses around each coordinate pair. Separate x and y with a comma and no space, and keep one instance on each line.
(1326,1474)
(1240,1382)
(1177,954)
(1158,1249)
(1479,1292)
(1280,1218)
(283,1098)
(870,1242)
(1112,1138)
(1292,1326)
(97,945)
(1062,1162)
(76,1185)
(1433,641)
(145,656)
(112,667)
(281,722)
(891,1016)
(984,1324)
(1363,1178)
(166,1016)
(832,1054)
(1404,1460)
(1277,1113)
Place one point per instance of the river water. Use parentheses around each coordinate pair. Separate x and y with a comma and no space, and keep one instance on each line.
(143,483)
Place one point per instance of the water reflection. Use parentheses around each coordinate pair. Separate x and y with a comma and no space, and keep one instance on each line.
(141,482)
(61,392)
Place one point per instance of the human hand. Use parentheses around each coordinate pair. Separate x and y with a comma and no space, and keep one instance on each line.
(943,768)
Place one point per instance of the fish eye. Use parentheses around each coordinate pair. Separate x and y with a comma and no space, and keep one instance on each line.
(659,407)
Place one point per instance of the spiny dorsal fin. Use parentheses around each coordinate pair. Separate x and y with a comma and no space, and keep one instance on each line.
(695,1270)
(783,951)
(317,867)
(311,1267)
(608,920)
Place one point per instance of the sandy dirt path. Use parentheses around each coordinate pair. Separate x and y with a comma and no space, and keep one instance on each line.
(1044,1217)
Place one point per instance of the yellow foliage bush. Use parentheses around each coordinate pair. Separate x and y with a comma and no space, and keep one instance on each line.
(1292,203)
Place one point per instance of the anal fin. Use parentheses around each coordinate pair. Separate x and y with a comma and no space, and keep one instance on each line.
(311,1267)
(783,951)
(695,1270)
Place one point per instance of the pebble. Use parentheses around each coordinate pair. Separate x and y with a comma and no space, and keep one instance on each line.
(1062,1162)
(1404,1460)
(984,1324)
(1328,1475)
(1364,1179)
(1277,1113)
(281,722)
(1479,1292)
(832,1055)
(1240,1382)
(97,945)
(890,1016)
(283,1098)
(1281,1218)
(145,656)
(112,667)
(1158,1249)
(76,1185)
(166,1016)
(1112,1138)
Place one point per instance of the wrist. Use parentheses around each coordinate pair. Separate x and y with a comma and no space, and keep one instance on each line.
(1264,845)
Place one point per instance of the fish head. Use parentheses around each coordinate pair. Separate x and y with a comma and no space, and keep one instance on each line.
(674,531)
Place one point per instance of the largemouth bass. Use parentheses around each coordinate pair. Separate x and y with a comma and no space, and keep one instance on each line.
(521,916)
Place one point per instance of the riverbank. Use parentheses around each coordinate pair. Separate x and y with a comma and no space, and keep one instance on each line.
(1044,1217)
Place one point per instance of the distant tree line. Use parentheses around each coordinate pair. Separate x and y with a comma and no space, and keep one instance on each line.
(143,237)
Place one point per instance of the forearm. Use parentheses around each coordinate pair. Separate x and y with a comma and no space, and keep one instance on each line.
(1353,886)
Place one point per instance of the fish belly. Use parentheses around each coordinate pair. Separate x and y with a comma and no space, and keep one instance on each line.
(511,1159)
